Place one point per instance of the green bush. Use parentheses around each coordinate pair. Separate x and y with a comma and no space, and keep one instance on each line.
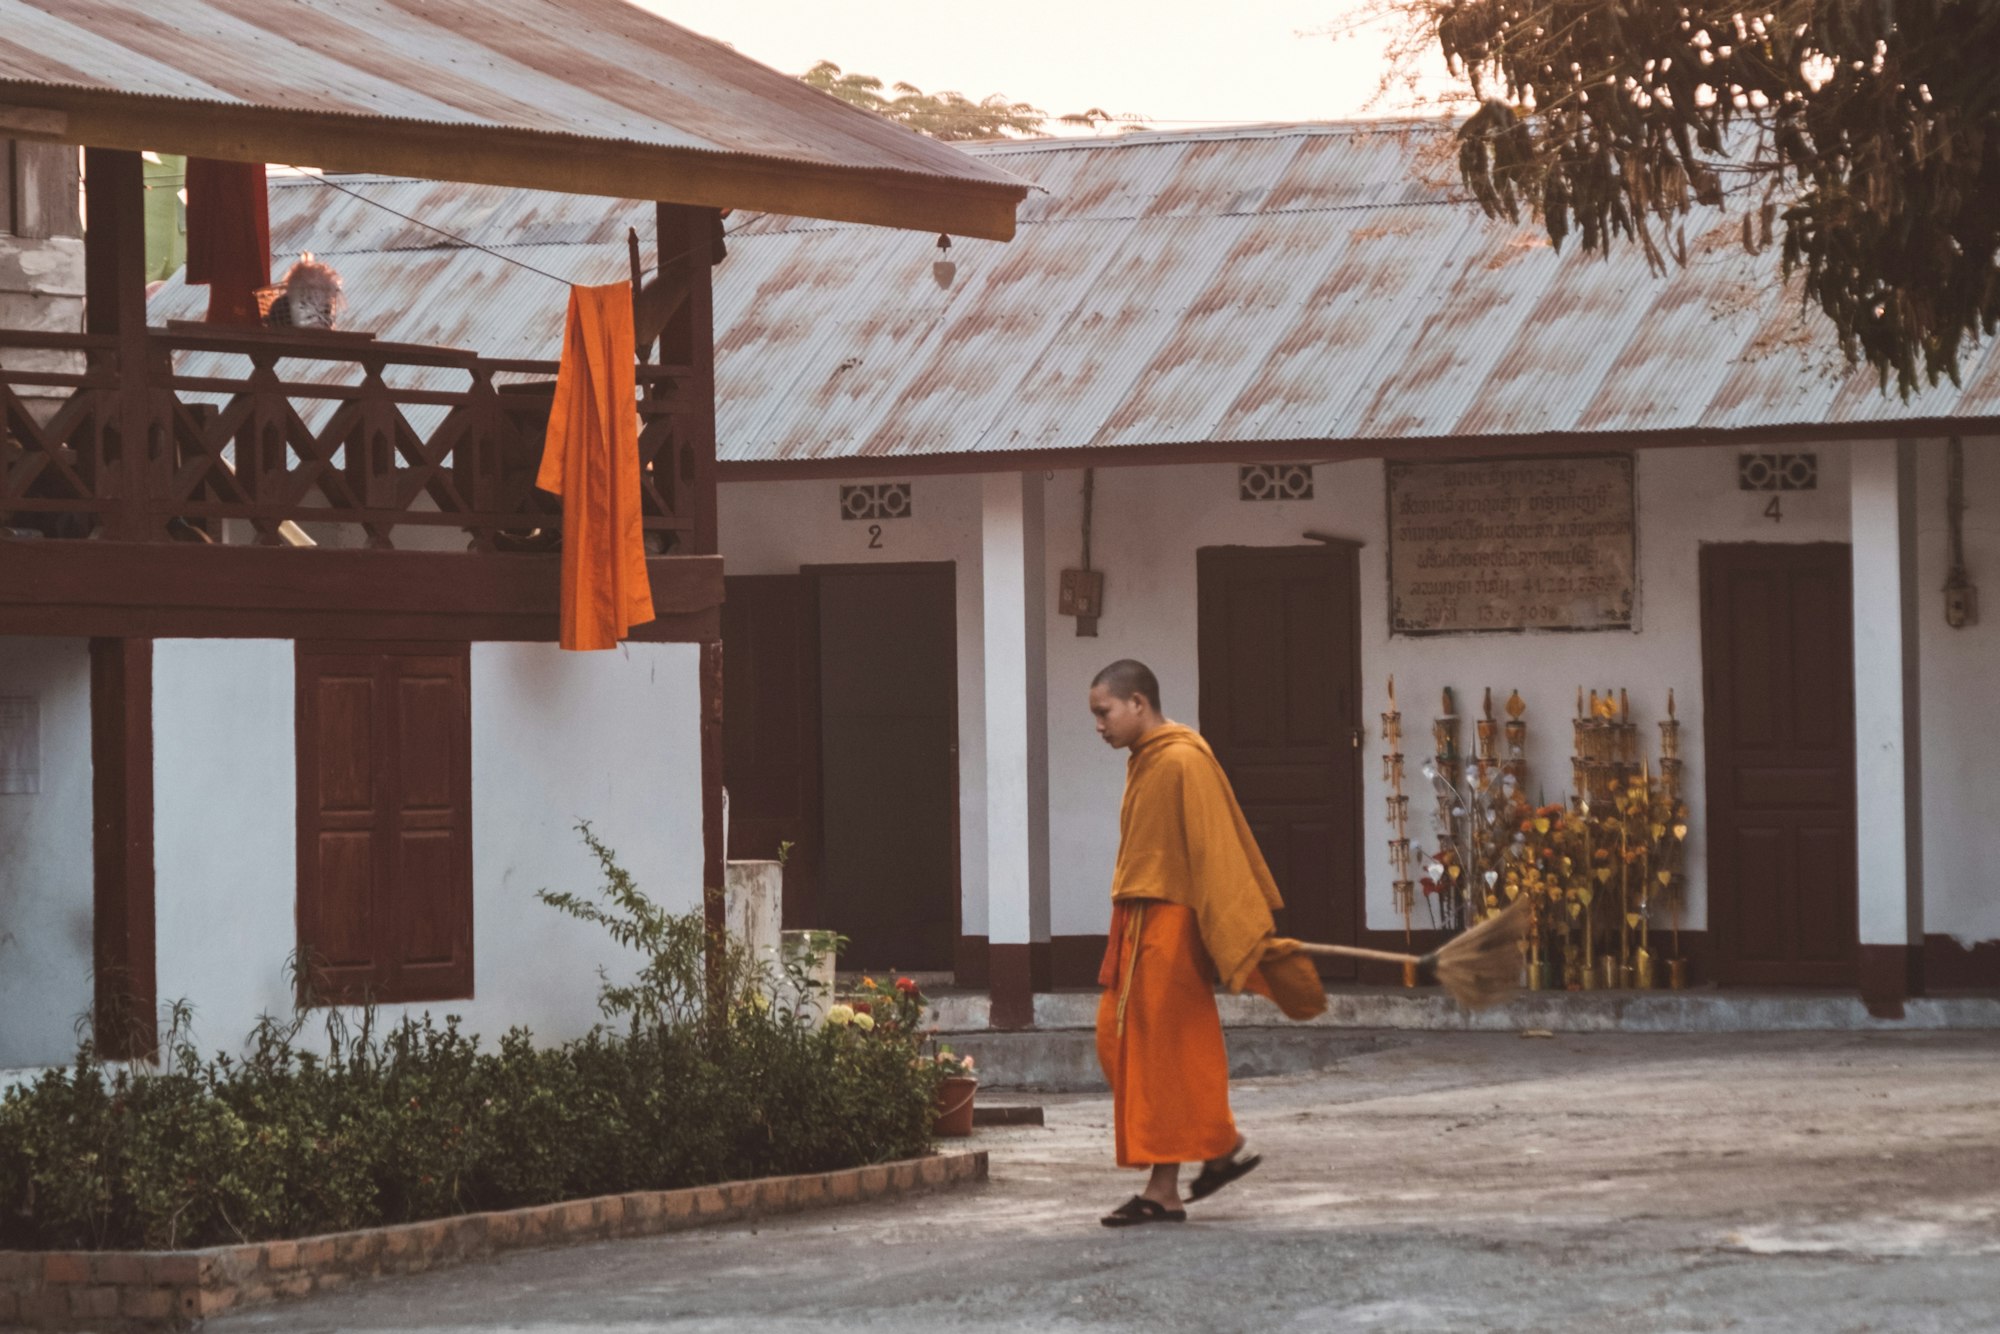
(694,1077)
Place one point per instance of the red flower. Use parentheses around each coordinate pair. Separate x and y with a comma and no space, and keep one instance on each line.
(906,985)
(862,1007)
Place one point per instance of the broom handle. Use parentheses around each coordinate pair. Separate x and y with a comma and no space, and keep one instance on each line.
(1356,952)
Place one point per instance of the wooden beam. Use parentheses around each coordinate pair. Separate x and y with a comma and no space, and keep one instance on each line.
(18,122)
(1420,448)
(126,1000)
(174,590)
(499,155)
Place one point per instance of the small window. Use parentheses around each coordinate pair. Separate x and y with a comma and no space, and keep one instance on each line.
(385,821)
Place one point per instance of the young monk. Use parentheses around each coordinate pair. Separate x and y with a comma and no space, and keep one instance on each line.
(1191,904)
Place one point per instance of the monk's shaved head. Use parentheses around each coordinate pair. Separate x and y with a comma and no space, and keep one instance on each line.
(1128,677)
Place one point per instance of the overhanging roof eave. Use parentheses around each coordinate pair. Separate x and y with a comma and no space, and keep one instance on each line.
(980,204)
(942,463)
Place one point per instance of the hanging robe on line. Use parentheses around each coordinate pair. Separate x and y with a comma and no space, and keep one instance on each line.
(229,236)
(591,460)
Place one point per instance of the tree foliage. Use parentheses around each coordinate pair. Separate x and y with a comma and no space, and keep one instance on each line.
(1865,132)
(949,116)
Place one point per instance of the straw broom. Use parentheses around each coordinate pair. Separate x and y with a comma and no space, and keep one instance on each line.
(1480,967)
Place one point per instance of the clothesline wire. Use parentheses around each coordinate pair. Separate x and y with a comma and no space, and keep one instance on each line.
(466,241)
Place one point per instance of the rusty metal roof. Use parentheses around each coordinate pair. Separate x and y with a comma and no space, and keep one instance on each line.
(550,93)
(1277,284)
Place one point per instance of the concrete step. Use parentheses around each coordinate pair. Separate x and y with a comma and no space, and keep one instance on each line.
(1709,1010)
(1064,1060)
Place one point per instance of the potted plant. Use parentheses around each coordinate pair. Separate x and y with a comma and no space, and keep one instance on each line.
(956,1092)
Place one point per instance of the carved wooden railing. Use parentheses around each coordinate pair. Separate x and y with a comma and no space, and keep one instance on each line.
(243,436)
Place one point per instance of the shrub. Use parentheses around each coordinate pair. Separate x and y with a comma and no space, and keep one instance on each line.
(694,1077)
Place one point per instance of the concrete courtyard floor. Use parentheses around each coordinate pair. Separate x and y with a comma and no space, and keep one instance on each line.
(1450,1182)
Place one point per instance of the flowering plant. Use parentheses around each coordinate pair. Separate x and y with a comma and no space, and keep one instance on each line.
(953,1064)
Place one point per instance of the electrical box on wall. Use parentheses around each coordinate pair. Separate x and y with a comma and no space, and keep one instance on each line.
(1082,596)
(1961,604)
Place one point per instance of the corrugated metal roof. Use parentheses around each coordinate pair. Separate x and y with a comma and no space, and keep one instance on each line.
(590,70)
(1289,283)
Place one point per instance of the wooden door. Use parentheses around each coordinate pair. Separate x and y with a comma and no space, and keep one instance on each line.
(770,690)
(1778,668)
(385,821)
(1280,698)
(888,690)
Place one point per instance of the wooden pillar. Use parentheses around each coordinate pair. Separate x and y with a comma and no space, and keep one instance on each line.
(686,238)
(713,853)
(114,257)
(121,754)
(687,244)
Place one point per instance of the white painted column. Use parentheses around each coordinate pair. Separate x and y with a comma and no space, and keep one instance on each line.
(1887,765)
(1017,807)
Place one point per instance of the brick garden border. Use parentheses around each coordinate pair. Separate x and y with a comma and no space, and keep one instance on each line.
(105,1290)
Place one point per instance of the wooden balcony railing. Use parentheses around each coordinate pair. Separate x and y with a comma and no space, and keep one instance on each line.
(247,437)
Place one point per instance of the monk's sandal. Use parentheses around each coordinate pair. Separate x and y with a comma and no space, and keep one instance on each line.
(1219,1172)
(1138,1210)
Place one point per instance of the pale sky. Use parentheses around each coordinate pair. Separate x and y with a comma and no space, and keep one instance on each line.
(1182,65)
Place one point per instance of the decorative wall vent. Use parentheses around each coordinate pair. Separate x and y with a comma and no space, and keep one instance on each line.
(1777,472)
(875,500)
(1274,481)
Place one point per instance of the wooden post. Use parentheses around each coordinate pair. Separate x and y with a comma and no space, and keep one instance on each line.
(114,250)
(121,755)
(686,241)
(713,853)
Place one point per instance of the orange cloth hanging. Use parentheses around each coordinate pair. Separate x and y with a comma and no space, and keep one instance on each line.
(591,460)
(229,236)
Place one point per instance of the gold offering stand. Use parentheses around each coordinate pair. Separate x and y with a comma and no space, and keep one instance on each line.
(1399,818)
(1447,868)
(1669,829)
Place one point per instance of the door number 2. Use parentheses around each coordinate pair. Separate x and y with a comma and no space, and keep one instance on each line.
(875,535)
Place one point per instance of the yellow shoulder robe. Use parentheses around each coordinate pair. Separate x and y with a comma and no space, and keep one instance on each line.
(1183,838)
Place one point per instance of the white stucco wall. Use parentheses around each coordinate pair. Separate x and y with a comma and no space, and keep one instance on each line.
(46,859)
(610,737)
(1149,522)
(777,527)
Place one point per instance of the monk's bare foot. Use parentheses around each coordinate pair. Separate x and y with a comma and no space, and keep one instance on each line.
(1164,1186)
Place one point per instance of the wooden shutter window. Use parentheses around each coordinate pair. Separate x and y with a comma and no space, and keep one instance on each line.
(385,821)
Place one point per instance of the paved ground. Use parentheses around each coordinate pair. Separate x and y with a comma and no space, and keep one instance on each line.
(1454,1182)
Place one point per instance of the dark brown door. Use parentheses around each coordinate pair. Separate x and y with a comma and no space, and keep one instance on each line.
(888,763)
(385,821)
(770,688)
(1280,688)
(1777,650)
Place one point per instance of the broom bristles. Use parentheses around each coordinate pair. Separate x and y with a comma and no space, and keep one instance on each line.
(1483,966)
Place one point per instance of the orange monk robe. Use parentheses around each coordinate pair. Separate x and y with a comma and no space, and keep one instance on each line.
(591,460)
(1183,838)
(1191,899)
(229,236)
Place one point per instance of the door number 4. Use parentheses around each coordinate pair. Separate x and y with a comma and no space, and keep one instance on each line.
(1774,511)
